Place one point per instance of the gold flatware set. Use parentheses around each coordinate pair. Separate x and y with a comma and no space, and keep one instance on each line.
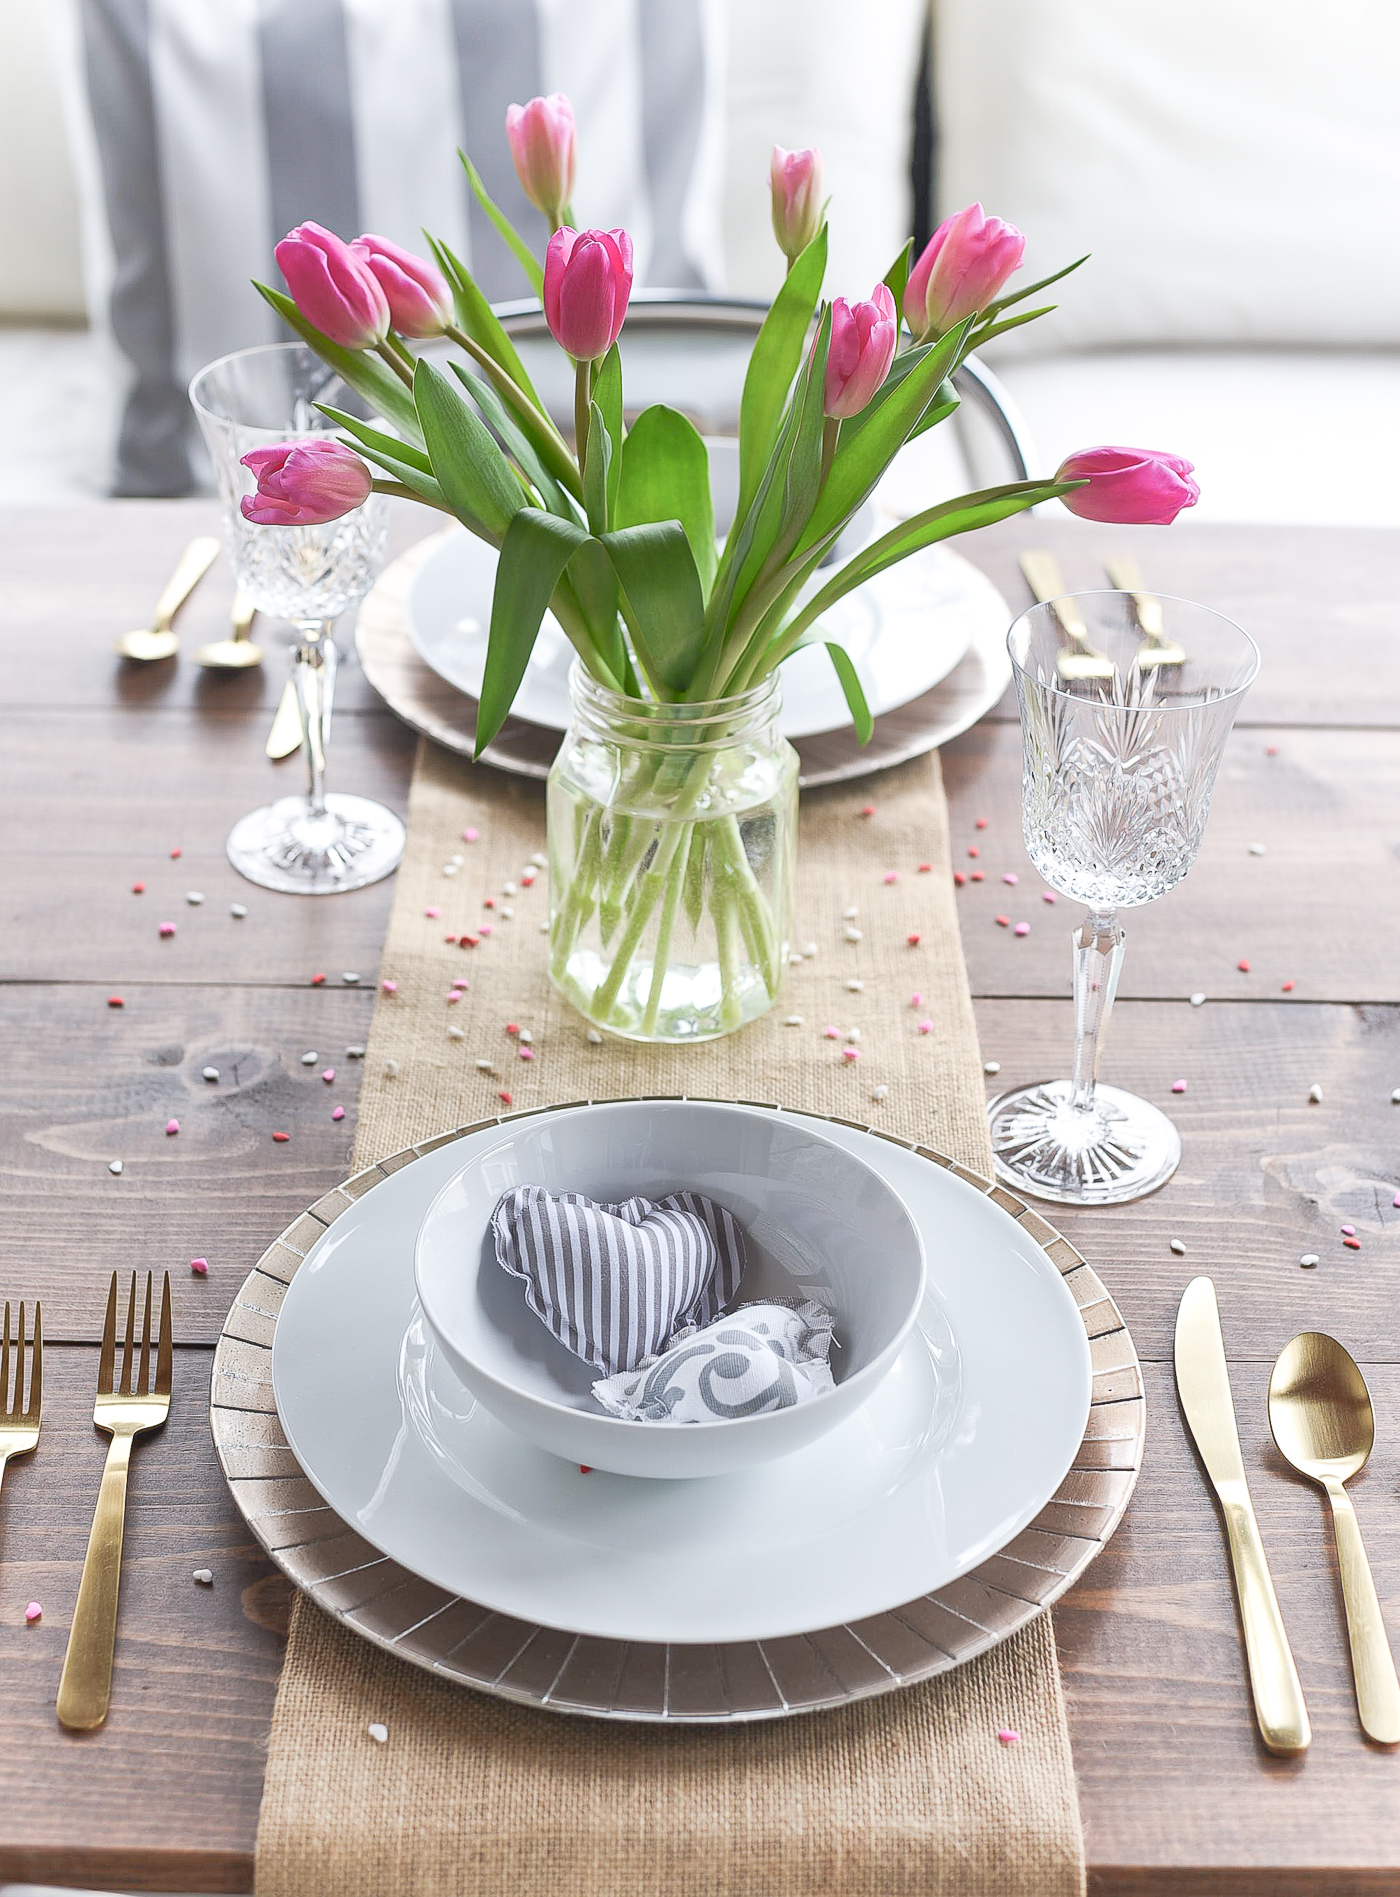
(1081,659)
(1323,1424)
(160,641)
(129,1402)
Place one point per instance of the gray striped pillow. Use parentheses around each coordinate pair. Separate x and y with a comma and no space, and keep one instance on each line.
(615,1282)
(219,126)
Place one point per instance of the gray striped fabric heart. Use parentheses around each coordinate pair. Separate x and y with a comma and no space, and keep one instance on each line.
(614,1282)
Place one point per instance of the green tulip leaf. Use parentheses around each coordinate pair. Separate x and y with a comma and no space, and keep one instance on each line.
(897,276)
(1031,289)
(534,553)
(597,460)
(777,353)
(593,584)
(406,463)
(526,258)
(475,477)
(367,374)
(663,600)
(479,320)
(515,441)
(665,475)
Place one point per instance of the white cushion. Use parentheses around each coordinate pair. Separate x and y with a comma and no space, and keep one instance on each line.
(1234,167)
(1276,435)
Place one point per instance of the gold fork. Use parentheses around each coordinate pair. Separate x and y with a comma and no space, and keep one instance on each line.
(124,1409)
(1126,575)
(19,1427)
(1042,571)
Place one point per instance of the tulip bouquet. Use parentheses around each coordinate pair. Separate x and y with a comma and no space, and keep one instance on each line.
(614,530)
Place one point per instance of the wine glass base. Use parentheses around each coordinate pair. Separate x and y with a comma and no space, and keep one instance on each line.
(283,846)
(1122,1150)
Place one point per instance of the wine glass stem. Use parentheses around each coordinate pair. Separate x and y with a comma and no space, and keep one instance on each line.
(1098,956)
(313,676)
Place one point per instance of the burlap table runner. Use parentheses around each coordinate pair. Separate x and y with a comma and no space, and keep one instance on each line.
(474,1797)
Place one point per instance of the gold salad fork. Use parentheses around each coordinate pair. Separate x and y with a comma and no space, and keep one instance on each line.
(1042,571)
(124,1409)
(19,1421)
(1126,575)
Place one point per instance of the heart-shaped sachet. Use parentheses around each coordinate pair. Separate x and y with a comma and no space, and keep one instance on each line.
(759,1358)
(614,1282)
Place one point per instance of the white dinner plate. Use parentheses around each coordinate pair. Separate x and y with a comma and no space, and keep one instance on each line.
(963,1444)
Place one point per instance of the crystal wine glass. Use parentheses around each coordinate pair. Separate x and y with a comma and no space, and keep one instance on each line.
(1116,780)
(323,842)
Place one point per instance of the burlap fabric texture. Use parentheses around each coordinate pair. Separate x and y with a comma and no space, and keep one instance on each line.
(909,1794)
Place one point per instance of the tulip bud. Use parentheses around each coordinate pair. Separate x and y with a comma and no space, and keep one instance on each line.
(795,178)
(962,266)
(1133,485)
(542,143)
(863,338)
(304,483)
(587,281)
(333,288)
(420,303)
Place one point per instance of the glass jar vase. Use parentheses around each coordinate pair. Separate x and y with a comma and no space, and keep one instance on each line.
(672,841)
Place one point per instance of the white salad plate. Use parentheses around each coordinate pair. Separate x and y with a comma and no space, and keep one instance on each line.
(959,1448)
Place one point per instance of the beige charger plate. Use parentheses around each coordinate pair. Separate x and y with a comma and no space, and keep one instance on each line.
(429,704)
(611,1679)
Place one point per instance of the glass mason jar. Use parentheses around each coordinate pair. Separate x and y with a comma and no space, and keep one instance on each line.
(672,841)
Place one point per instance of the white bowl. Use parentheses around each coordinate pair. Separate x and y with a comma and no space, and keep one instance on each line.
(817,1221)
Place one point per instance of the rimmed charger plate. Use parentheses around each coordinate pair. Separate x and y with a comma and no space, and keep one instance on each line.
(387,1602)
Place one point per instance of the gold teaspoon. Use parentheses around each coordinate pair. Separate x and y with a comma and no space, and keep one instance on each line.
(1320,1413)
(157,641)
(237,653)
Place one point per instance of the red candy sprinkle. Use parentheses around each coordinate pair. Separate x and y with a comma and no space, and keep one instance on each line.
(1242,966)
(981,823)
(503,1095)
(138,889)
(1288,987)
(281,1138)
(468,940)
(913,938)
(115,1001)
(978,876)
(1270,750)
(488,902)
(1352,1244)
(585,1468)
(973,850)
(1003,922)
(867,810)
(958,878)
(175,853)
(317,980)
(925,868)
(512,1027)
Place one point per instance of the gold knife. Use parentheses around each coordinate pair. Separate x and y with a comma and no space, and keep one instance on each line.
(1042,571)
(1203,1383)
(285,735)
(1126,575)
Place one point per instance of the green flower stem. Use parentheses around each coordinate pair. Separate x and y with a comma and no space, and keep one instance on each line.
(578,899)
(722,910)
(548,440)
(648,893)
(675,885)
(583,395)
(403,370)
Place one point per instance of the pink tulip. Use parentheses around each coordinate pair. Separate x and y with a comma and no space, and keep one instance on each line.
(1133,485)
(333,288)
(795,178)
(542,143)
(587,281)
(963,265)
(863,338)
(304,483)
(420,303)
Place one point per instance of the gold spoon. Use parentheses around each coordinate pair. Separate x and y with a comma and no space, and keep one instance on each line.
(1321,1416)
(239,652)
(157,641)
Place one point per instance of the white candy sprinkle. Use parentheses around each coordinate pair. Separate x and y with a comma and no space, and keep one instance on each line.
(450,869)
(793,1021)
(1395,1096)
(114,1166)
(379,1734)
(509,889)
(455,1034)
(852,1034)
(310,1060)
(350,977)
(595,1038)
(850,914)
(1258,849)
(878,1093)
(194,897)
(540,860)
(526,1036)
(1198,1000)
(505,911)
(391,1067)
(211,1073)
(205,1576)
(458,858)
(1177,1247)
(1308,1260)
(991,1067)
(853,935)
(855,987)
(809,951)
(544,928)
(1315,1095)
(237,909)
(354,1053)
(485,1067)
(794,960)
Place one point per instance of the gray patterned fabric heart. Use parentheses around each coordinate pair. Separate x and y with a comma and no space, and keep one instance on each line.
(614,1283)
(761,1357)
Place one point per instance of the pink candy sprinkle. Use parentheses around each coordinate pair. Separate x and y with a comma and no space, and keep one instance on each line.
(1011,877)
(432,914)
(831,1034)
(172,1126)
(973,850)
(33,1612)
(891,875)
(460,982)
(483,928)
(454,994)
(850,1053)
(469,835)
(1178,1086)
(167,928)
(1396,1199)
(916,1000)
(1009,1736)
(389,987)
(926,1027)
(338,1114)
(1048,895)
(1348,1231)
(328,1076)
(200,1267)
(1022,928)
(981,823)
(526,1053)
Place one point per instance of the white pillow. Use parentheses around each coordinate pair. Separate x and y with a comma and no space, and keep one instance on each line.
(1233,167)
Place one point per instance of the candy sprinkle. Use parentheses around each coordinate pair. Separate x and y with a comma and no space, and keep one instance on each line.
(194,897)
(1178,1086)
(1011,877)
(281,1138)
(115,1001)
(959,880)
(318,981)
(991,1067)
(973,850)
(981,823)
(867,810)
(138,889)
(1352,1244)
(200,1267)
(205,1577)
(850,914)
(1003,922)
(354,1053)
(1348,1231)
(455,1034)
(1198,1000)
(211,1073)
(1395,1096)
(526,1053)
(329,1075)
(594,1038)
(310,1058)
(831,1033)
(1315,1095)
(470,835)
(878,1093)
(432,914)
(379,1733)
(925,869)
(913,938)
(850,1053)
(114,1166)
(453,994)
(504,1097)
(891,875)
(167,928)
(1242,965)
(1176,1247)
(916,1000)
(1022,928)
(176,853)
(338,1113)
(855,986)
(172,1126)
(926,1027)
(852,934)
(1048,895)
(1309,1260)
(387,987)
(350,977)
(978,876)
(792,1021)
(33,1612)
(485,1067)
(1288,987)
(237,910)
(1009,1736)
(1258,849)
(391,1068)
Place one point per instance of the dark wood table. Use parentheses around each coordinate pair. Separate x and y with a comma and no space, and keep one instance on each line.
(108,770)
